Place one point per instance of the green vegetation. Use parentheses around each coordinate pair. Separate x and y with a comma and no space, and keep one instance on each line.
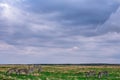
(62,72)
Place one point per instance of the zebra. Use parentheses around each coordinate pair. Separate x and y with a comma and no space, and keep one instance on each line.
(105,73)
(25,70)
(87,74)
(12,70)
(90,73)
(31,70)
(39,69)
(102,73)
(28,70)
(21,71)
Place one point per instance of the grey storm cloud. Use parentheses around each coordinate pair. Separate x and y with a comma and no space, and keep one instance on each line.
(76,12)
(76,17)
(64,31)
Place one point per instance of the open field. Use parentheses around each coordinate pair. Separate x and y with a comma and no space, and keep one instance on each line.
(61,72)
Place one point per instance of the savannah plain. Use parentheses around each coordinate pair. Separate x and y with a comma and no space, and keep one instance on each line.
(61,72)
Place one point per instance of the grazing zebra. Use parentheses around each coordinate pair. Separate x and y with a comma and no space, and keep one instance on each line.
(87,74)
(25,71)
(102,73)
(90,73)
(12,70)
(105,73)
(39,69)
(21,71)
(31,70)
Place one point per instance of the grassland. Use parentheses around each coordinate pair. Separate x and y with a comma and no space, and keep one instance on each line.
(62,72)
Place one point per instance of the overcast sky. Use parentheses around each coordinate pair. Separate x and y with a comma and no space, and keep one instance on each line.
(59,31)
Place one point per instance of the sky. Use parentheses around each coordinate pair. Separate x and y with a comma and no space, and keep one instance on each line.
(59,31)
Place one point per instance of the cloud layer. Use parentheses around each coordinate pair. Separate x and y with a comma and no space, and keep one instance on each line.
(65,31)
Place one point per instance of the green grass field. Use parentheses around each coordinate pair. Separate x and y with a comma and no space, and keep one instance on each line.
(62,72)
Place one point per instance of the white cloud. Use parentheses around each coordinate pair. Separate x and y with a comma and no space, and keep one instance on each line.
(10,13)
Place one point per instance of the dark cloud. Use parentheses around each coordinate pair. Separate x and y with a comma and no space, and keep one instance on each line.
(76,12)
